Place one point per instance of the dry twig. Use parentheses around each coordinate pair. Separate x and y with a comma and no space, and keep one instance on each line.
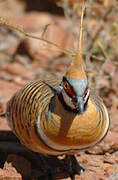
(20,30)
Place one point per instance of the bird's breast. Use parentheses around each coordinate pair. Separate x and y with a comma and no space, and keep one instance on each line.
(74,131)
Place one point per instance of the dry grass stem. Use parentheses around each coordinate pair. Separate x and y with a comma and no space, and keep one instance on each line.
(20,30)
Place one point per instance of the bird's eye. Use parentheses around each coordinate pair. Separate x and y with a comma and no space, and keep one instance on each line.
(69,90)
(85,93)
(66,85)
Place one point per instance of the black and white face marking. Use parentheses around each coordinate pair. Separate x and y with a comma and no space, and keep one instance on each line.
(75,93)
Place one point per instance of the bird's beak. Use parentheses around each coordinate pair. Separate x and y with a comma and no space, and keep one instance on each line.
(80,104)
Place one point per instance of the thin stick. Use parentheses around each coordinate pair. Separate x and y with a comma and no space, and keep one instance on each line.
(93,57)
(5,23)
(102,50)
(45,29)
(79,48)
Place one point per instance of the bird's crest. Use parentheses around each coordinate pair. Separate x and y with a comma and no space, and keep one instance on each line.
(76,69)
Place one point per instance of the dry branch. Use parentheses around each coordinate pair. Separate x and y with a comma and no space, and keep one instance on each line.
(21,30)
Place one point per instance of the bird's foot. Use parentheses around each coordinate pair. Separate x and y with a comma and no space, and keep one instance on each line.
(40,162)
(73,166)
(48,173)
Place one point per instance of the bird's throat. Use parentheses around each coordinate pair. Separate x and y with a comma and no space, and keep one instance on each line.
(67,103)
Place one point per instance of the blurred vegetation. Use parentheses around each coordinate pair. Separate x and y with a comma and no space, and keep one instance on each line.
(100,33)
(100,37)
(101,27)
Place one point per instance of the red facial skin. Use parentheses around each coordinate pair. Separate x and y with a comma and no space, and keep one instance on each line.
(69,90)
(85,93)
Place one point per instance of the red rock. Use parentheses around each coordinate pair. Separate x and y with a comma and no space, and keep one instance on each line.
(87,175)
(1,173)
(4,124)
(40,50)
(113,177)
(7,8)
(10,172)
(101,176)
(107,167)
(109,68)
(102,82)
(18,165)
(11,176)
(7,89)
(110,158)
(112,137)
(8,41)
(19,72)
(33,20)
(15,68)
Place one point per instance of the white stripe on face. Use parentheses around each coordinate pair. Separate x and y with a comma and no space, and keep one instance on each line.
(68,100)
(87,95)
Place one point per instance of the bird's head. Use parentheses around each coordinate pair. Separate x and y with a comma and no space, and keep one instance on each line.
(75,93)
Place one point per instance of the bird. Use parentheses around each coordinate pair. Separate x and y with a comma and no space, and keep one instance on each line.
(64,119)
